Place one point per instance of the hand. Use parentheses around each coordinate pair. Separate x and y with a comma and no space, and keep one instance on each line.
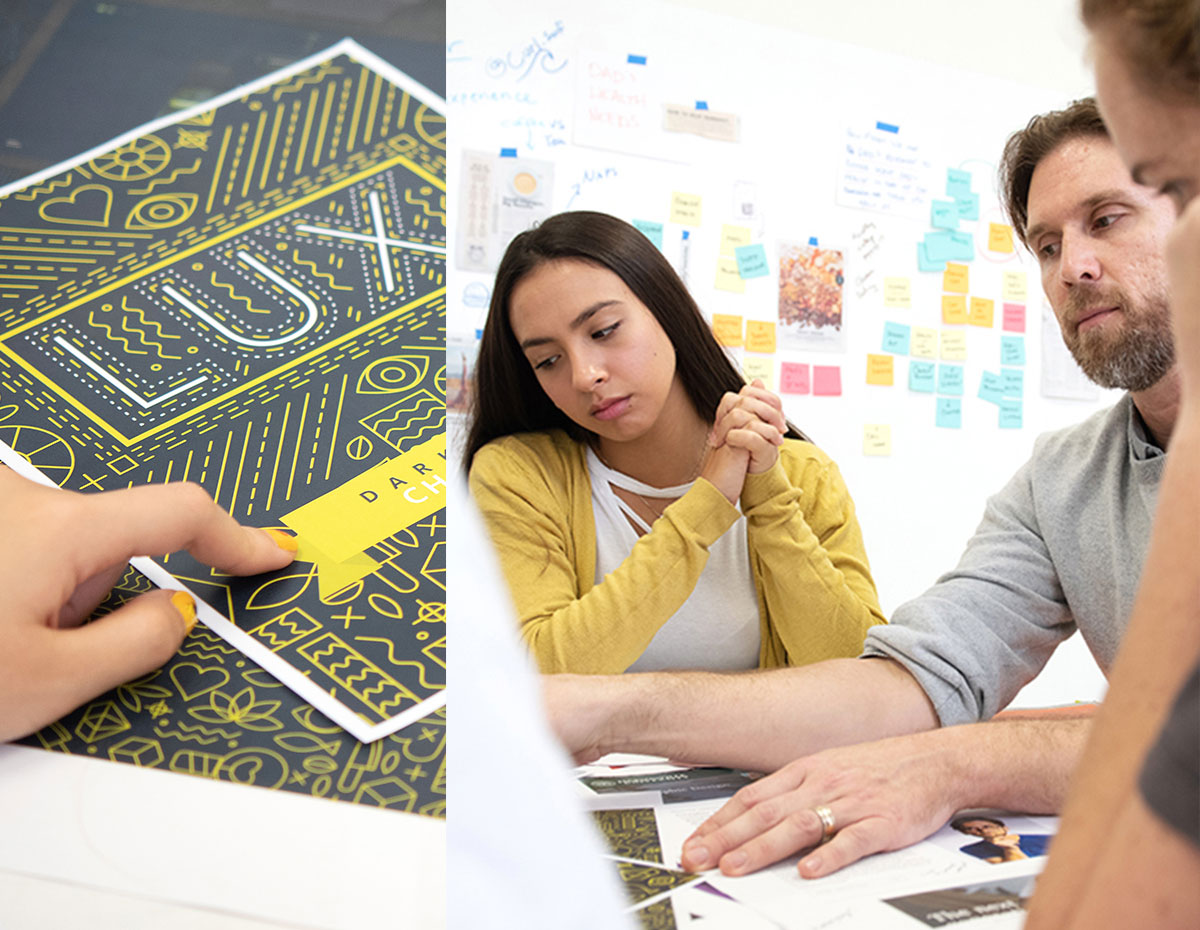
(752,420)
(883,795)
(1183,266)
(60,554)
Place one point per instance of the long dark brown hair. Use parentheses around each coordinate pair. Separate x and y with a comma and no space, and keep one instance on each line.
(507,396)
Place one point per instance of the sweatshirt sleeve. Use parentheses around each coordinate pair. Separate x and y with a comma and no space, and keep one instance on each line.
(607,627)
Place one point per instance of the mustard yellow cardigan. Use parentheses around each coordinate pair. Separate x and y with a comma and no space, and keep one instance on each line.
(815,593)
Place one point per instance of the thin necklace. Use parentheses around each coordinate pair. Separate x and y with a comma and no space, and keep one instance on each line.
(657,511)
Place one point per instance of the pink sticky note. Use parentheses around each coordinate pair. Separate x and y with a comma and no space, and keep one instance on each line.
(827,381)
(793,378)
(1014,318)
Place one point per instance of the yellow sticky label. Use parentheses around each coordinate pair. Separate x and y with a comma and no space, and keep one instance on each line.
(380,502)
(983,311)
(1000,237)
(956,278)
(727,327)
(760,336)
(879,369)
(728,278)
(732,237)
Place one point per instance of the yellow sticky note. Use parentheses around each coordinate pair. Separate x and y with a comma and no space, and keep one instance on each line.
(727,327)
(982,311)
(1000,237)
(685,209)
(954,308)
(879,370)
(1013,286)
(760,336)
(955,278)
(756,367)
(954,345)
(924,342)
(877,439)
(897,292)
(728,278)
(732,237)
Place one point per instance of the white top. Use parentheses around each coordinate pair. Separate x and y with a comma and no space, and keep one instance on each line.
(717,627)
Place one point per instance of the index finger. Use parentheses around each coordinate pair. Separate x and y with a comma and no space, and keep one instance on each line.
(114,526)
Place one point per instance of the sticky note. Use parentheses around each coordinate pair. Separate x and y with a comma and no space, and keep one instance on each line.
(991,387)
(652,231)
(1013,286)
(958,182)
(943,214)
(982,312)
(1010,414)
(967,206)
(793,378)
(728,278)
(880,370)
(1012,350)
(751,261)
(955,278)
(950,379)
(896,337)
(727,327)
(1000,237)
(685,209)
(760,336)
(949,413)
(1014,318)
(827,380)
(877,439)
(924,342)
(754,366)
(949,246)
(1012,382)
(921,376)
(925,263)
(954,308)
(897,293)
(732,237)
(954,345)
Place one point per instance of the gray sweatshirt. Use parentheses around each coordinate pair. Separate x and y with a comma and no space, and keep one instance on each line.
(1060,547)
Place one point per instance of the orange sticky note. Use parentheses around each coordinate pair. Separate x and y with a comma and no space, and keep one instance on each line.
(727,327)
(879,370)
(760,336)
(954,308)
(982,311)
(955,278)
(1000,237)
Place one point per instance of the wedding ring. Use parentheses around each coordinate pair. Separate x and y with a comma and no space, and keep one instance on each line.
(825,815)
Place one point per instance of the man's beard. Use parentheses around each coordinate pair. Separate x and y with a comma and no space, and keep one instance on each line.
(1137,355)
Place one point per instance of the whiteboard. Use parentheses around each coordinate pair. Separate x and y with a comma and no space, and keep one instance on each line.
(804,145)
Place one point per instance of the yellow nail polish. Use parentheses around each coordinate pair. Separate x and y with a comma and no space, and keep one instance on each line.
(186,605)
(283,540)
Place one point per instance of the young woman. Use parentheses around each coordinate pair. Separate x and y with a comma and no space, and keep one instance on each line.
(611,446)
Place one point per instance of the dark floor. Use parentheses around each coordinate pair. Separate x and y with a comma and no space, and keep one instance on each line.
(75,73)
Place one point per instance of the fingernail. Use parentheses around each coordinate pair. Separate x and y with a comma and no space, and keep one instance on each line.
(283,540)
(186,605)
(811,865)
(695,857)
(733,862)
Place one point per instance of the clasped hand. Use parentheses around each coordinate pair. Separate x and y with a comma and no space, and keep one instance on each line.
(747,432)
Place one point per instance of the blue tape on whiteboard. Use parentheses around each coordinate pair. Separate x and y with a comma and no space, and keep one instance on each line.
(812,240)
(636,59)
(886,127)
(508,153)
(479,334)
(701,104)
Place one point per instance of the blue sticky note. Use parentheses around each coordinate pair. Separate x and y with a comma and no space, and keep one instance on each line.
(944,214)
(751,261)
(950,379)
(652,231)
(991,387)
(958,182)
(1012,382)
(1012,350)
(508,153)
(963,245)
(1010,414)
(701,104)
(921,376)
(949,413)
(896,338)
(925,262)
(812,240)
(949,246)
(886,127)
(635,59)
(967,206)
